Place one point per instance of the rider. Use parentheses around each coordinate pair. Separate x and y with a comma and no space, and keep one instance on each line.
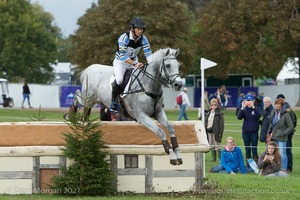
(129,45)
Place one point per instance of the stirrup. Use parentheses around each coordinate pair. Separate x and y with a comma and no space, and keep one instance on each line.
(114,107)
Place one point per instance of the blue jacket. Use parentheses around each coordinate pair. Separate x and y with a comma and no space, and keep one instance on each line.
(233,160)
(251,119)
(128,48)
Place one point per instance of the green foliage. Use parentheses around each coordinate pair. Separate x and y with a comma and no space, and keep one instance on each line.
(253,37)
(27,42)
(64,46)
(89,173)
(99,29)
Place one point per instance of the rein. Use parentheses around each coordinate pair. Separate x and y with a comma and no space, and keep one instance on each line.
(161,80)
(154,78)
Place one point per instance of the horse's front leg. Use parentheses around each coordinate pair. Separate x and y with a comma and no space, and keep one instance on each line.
(149,123)
(162,119)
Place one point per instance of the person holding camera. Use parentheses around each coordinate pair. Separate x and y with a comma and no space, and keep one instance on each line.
(251,116)
(270,161)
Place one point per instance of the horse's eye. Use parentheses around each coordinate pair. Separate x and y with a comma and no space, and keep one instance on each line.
(168,65)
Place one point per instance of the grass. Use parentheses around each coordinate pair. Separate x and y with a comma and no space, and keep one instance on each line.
(219,186)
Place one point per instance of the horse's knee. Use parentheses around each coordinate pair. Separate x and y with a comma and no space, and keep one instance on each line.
(166,146)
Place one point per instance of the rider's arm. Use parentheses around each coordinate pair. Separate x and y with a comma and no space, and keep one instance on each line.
(121,54)
(146,47)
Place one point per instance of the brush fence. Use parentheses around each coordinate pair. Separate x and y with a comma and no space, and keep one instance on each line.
(30,155)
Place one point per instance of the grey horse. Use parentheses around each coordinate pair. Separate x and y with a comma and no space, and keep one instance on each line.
(143,96)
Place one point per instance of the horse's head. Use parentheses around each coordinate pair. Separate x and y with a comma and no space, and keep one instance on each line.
(170,69)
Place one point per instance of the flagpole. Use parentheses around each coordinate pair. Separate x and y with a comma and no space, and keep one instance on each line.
(204,64)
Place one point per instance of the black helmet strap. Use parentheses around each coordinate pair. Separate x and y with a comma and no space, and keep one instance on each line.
(133,31)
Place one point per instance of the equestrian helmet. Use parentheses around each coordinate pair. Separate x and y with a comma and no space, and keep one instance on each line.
(137,23)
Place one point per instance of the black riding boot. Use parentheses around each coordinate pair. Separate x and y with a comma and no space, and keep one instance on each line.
(114,94)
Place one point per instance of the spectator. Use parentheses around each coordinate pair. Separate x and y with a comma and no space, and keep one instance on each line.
(206,105)
(265,121)
(26,94)
(184,104)
(214,125)
(232,160)
(121,117)
(289,143)
(239,102)
(223,96)
(260,101)
(206,102)
(280,127)
(251,115)
(270,161)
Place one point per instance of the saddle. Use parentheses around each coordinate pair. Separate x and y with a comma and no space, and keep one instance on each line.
(126,80)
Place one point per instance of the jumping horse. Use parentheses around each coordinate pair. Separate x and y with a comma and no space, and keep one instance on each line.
(143,96)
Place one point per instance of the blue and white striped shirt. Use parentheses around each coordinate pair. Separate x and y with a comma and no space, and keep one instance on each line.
(129,49)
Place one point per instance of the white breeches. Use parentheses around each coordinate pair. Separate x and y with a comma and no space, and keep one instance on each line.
(120,68)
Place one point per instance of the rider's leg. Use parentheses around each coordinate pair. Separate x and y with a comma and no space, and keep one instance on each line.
(120,68)
(114,95)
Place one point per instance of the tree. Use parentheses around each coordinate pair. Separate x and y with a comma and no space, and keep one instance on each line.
(27,41)
(64,47)
(89,173)
(169,24)
(248,36)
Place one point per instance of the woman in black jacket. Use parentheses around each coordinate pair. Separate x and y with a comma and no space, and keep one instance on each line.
(214,125)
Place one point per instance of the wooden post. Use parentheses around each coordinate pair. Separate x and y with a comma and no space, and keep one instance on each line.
(35,174)
(114,170)
(198,170)
(149,173)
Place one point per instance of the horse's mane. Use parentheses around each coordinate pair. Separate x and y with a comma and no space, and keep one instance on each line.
(158,55)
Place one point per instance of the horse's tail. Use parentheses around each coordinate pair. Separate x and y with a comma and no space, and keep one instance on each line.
(81,75)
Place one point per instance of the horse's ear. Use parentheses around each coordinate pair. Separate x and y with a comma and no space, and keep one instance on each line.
(177,52)
(168,52)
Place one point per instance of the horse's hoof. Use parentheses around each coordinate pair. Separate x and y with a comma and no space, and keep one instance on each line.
(179,161)
(66,116)
(174,162)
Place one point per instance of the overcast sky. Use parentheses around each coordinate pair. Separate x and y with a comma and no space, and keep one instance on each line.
(66,12)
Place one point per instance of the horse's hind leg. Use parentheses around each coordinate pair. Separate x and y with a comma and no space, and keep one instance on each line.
(86,113)
(72,110)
